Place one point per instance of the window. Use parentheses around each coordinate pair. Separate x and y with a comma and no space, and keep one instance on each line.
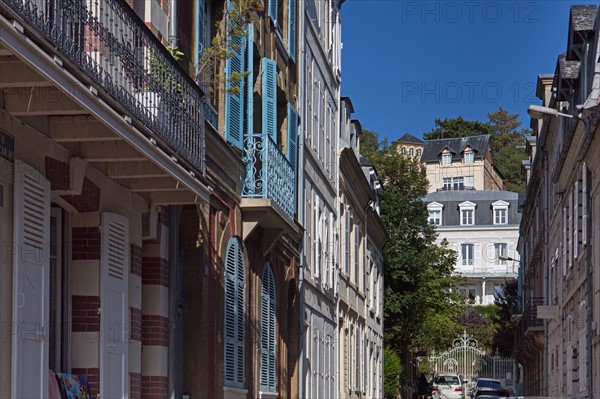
(447,183)
(469,181)
(466,217)
(500,251)
(419,152)
(458,183)
(235,306)
(411,152)
(435,217)
(467,213)
(435,213)
(467,254)
(446,159)
(469,156)
(268,337)
(500,209)
(403,151)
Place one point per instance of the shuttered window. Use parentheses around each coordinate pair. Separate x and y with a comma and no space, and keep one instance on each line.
(234,314)
(292,142)
(269,98)
(234,90)
(249,117)
(268,341)
(292,29)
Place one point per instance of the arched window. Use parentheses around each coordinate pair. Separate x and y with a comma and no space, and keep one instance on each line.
(403,150)
(411,151)
(235,305)
(419,152)
(268,331)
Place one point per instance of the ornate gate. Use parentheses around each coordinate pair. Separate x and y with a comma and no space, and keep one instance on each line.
(467,359)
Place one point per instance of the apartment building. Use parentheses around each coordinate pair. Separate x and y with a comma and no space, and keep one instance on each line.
(410,145)
(556,341)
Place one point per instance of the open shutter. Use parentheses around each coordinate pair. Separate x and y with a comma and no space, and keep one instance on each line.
(264,332)
(230,312)
(234,91)
(477,257)
(292,145)
(272,333)
(268,369)
(240,313)
(114,283)
(269,98)
(31,283)
(273,11)
(582,350)
(292,29)
(491,256)
(564,234)
(347,242)
(584,203)
(576,223)
(250,81)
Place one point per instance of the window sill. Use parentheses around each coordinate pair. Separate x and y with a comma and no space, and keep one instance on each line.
(234,393)
(267,395)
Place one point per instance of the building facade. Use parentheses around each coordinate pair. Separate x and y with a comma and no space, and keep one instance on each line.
(410,145)
(556,339)
(461,164)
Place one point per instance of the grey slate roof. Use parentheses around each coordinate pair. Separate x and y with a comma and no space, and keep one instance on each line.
(583,17)
(483,210)
(433,148)
(410,139)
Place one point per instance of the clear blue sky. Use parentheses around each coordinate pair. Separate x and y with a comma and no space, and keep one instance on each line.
(404,63)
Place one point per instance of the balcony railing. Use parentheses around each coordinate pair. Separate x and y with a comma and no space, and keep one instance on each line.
(529,317)
(268,174)
(107,41)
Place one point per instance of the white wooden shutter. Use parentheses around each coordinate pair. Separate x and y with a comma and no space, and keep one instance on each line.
(576,223)
(565,241)
(31,283)
(491,256)
(114,300)
(584,203)
(582,350)
(477,255)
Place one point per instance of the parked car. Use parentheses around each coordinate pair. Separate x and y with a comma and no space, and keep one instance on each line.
(491,393)
(485,383)
(448,386)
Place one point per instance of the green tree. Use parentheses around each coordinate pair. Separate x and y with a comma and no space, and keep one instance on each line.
(392,371)
(457,127)
(418,272)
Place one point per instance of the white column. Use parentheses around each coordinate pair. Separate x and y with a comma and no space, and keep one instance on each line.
(483,296)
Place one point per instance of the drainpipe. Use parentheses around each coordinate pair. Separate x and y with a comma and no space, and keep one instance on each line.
(173,23)
(300,203)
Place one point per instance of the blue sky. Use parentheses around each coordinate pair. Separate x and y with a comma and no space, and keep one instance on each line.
(404,63)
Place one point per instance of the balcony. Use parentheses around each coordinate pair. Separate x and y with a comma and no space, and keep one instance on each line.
(126,75)
(529,335)
(269,186)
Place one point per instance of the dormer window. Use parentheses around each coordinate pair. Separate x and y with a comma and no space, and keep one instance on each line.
(500,209)
(435,213)
(469,155)
(467,213)
(446,158)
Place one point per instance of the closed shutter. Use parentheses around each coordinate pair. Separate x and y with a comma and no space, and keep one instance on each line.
(114,299)
(292,29)
(268,369)
(234,314)
(234,90)
(31,283)
(269,98)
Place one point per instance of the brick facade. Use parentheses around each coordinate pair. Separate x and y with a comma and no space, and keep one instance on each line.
(85,316)
(155,330)
(155,271)
(88,200)
(155,387)
(135,385)
(58,174)
(86,243)
(136,324)
(136,260)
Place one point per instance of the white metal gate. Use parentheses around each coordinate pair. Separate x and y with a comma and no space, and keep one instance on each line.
(467,359)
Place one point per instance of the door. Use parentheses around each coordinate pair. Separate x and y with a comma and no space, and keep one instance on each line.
(31,283)
(114,302)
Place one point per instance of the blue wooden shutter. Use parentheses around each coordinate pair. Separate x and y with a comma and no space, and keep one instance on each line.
(234,315)
(269,98)
(250,82)
(234,91)
(273,11)
(292,28)
(268,370)
(292,143)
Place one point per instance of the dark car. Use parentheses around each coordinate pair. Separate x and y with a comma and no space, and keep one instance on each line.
(491,393)
(485,383)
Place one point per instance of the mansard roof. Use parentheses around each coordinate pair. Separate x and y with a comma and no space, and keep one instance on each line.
(434,148)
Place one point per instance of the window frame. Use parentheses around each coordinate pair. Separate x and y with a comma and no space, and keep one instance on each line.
(499,252)
(446,159)
(470,251)
(497,207)
(465,208)
(435,207)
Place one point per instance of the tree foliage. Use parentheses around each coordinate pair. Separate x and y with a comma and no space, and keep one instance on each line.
(392,371)
(457,127)
(418,272)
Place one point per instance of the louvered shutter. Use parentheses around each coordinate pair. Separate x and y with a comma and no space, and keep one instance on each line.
(477,257)
(234,314)
(250,81)
(582,350)
(31,281)
(564,233)
(292,145)
(269,98)
(234,90)
(292,29)
(584,204)
(273,11)
(576,223)
(491,256)
(268,369)
(114,315)
(570,230)
(347,242)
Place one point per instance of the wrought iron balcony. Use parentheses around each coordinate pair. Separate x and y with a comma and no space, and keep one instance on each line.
(529,317)
(108,43)
(268,174)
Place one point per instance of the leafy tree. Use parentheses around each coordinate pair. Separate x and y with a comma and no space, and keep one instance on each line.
(392,370)
(457,127)
(418,272)
(506,300)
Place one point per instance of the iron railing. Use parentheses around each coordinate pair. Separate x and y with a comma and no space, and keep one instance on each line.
(107,41)
(269,174)
(529,317)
